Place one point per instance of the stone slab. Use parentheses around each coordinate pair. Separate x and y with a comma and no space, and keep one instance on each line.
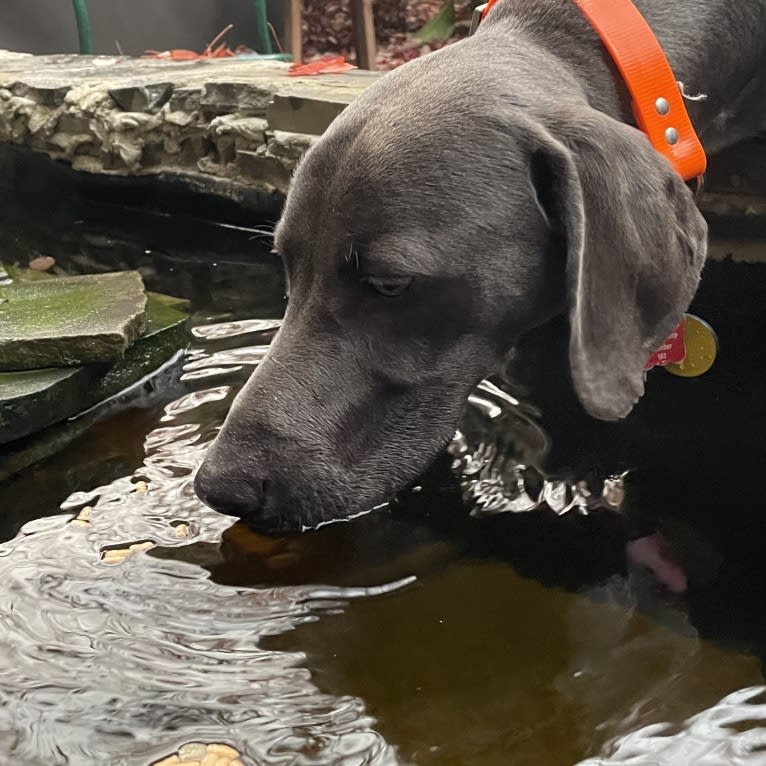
(209,124)
(127,116)
(137,97)
(35,399)
(32,400)
(70,321)
(304,112)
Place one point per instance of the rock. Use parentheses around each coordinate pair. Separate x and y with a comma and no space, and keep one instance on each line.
(70,321)
(145,97)
(304,113)
(269,169)
(290,146)
(32,400)
(246,98)
(46,94)
(42,263)
(164,335)
(185,100)
(123,116)
(19,274)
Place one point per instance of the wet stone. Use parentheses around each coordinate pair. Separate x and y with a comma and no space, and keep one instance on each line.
(269,169)
(35,399)
(70,321)
(148,97)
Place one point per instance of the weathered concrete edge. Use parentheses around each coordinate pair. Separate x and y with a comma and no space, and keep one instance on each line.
(243,121)
(233,127)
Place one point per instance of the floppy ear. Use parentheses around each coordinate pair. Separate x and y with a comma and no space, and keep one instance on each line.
(635,243)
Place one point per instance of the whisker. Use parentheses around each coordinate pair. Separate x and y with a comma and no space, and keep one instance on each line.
(265,232)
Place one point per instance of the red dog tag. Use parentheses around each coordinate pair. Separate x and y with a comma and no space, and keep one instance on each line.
(672,351)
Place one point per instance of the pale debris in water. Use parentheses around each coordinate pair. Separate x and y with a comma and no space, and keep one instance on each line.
(118,555)
(182,530)
(201,754)
(147,546)
(82,518)
(141,487)
(42,263)
(115,555)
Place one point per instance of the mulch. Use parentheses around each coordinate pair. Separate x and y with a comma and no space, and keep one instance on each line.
(327,28)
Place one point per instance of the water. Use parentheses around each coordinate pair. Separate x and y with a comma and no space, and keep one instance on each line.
(419,634)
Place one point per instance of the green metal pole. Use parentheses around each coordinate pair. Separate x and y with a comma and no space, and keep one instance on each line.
(262,35)
(83,27)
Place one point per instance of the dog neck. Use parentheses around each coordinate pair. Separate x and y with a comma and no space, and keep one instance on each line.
(715,48)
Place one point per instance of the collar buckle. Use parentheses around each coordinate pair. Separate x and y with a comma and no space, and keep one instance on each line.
(478,13)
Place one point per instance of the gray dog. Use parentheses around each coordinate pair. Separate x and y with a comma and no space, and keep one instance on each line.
(465,198)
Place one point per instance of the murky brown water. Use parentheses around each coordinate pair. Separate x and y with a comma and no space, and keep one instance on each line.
(414,635)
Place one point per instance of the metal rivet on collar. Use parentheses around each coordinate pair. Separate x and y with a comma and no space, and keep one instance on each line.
(662,106)
(671,136)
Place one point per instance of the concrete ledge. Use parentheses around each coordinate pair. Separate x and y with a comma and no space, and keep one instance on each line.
(236,128)
(240,119)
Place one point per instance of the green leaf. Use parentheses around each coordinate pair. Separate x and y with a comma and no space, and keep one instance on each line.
(441,26)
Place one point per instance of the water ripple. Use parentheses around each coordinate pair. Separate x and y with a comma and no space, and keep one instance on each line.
(731,732)
(117,647)
(233,329)
(122,660)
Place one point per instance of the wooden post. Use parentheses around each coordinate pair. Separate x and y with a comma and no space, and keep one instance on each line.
(294,29)
(363,24)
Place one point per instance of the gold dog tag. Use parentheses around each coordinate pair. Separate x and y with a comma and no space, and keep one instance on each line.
(701,349)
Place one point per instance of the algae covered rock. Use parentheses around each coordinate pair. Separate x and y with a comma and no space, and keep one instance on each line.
(70,321)
(34,399)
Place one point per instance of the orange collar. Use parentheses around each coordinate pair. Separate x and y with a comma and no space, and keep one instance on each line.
(657,101)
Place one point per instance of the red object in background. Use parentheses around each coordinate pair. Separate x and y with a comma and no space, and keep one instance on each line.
(328,64)
(181,54)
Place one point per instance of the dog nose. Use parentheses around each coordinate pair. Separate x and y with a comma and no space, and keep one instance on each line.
(232,497)
(262,503)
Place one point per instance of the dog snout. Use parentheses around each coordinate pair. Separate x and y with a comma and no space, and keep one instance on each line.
(229,495)
(261,502)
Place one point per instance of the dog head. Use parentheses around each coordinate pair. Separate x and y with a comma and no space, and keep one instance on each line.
(443,214)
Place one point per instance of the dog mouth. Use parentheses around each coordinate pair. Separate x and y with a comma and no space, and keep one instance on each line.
(315,498)
(271,507)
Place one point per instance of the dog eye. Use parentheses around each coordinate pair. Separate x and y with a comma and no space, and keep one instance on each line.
(388,287)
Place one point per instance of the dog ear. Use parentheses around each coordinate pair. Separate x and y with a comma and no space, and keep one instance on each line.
(635,244)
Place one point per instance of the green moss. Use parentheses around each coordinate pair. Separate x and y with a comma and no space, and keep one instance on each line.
(32,400)
(70,321)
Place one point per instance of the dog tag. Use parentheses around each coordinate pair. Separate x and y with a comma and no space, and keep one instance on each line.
(701,348)
(672,351)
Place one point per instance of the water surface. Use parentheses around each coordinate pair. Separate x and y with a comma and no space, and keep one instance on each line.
(419,634)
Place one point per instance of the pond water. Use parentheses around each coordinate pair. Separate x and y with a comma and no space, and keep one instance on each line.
(418,634)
